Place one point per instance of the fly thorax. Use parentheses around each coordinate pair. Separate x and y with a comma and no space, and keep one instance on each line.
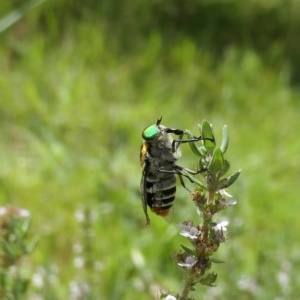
(164,144)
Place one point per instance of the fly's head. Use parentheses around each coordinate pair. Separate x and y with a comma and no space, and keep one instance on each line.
(157,136)
(153,132)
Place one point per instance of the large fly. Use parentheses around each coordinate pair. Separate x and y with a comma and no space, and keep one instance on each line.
(158,156)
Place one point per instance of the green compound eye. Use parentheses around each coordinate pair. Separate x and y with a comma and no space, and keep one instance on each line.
(150,132)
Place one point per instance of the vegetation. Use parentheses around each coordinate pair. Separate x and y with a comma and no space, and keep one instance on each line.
(79,82)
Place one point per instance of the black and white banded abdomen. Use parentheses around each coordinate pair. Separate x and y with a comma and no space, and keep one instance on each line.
(160,190)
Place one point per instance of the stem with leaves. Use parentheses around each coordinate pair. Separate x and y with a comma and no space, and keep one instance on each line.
(210,197)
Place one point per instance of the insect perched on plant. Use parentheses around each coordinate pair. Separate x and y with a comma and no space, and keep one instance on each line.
(158,156)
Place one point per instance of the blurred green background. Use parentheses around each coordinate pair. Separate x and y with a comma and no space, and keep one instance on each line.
(79,82)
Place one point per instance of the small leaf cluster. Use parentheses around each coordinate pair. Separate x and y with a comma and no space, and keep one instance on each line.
(211,157)
(14,229)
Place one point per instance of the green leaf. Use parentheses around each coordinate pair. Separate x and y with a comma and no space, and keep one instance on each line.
(226,167)
(209,279)
(216,261)
(17,14)
(234,177)
(217,164)
(222,184)
(208,136)
(226,182)
(193,145)
(188,250)
(225,139)
(212,224)
(32,245)
(193,179)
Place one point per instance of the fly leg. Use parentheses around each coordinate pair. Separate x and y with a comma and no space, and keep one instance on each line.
(175,143)
(183,172)
(182,182)
(180,140)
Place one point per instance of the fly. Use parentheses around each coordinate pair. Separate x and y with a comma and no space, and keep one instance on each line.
(158,156)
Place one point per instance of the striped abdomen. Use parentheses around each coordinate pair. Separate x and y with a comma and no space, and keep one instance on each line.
(160,189)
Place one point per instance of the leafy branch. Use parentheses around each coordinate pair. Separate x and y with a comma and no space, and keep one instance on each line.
(209,197)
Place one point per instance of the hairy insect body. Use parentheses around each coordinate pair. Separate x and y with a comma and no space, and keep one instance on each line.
(158,183)
(158,156)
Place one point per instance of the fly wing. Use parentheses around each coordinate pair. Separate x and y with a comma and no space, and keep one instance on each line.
(144,195)
(143,153)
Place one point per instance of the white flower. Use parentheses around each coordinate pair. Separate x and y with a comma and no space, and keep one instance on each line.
(79,262)
(170,297)
(231,202)
(222,226)
(24,213)
(137,258)
(219,229)
(3,210)
(189,262)
(189,231)
(79,215)
(223,192)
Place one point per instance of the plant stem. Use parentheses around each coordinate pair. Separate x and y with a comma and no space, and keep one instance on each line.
(188,283)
